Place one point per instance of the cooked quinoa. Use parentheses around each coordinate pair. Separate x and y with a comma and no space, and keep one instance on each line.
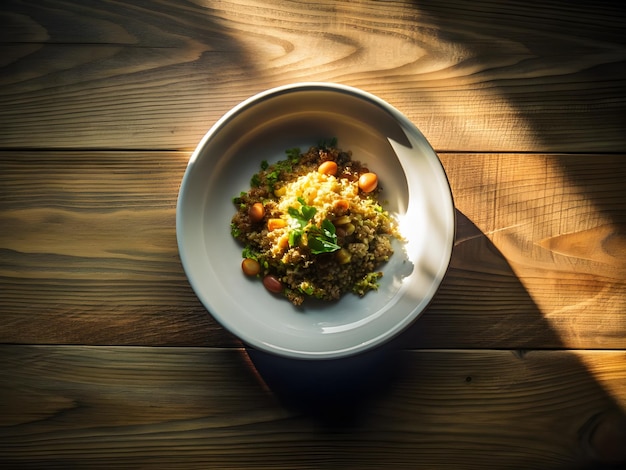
(312,226)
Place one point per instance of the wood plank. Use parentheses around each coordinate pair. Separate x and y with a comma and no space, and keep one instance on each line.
(479,76)
(121,407)
(88,253)
(540,251)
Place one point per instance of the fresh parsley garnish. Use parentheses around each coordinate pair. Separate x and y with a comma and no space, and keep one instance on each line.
(304,214)
(319,239)
(324,240)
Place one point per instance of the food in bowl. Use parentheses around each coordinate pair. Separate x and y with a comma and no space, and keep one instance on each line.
(312,225)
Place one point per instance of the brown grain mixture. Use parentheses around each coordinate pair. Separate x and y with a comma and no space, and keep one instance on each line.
(319,234)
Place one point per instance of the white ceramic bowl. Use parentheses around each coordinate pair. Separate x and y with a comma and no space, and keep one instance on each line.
(415,190)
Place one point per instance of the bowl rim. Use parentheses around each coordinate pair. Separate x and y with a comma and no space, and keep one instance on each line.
(271,93)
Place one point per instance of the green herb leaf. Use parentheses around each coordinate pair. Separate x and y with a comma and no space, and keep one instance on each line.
(304,214)
(308,212)
(319,240)
(248,252)
(319,245)
(293,212)
(272,178)
(293,154)
(329,230)
(323,240)
(294,237)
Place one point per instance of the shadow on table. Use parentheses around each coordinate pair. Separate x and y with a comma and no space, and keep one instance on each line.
(503,315)
(337,393)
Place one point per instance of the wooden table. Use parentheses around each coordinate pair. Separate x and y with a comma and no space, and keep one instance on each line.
(107,358)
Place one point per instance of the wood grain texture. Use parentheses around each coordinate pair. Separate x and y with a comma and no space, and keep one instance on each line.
(479,76)
(557,224)
(120,407)
(88,253)
(521,352)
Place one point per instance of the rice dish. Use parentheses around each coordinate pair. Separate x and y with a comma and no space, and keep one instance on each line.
(311,225)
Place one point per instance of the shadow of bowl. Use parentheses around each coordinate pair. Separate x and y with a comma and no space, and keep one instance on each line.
(333,391)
